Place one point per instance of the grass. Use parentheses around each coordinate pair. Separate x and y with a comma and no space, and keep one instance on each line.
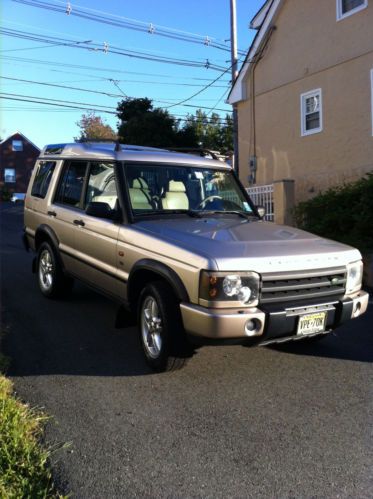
(24,468)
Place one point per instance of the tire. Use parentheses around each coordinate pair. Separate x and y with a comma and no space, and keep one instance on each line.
(161,332)
(51,279)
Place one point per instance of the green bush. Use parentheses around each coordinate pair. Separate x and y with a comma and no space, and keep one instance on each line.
(5,194)
(343,213)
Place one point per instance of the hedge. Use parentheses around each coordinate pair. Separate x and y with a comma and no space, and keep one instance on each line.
(343,213)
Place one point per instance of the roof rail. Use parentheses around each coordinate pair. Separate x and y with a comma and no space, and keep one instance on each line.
(105,141)
(199,151)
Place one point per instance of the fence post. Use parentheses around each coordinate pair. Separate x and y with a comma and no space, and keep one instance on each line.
(283,200)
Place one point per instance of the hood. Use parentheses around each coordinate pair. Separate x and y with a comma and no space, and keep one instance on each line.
(238,244)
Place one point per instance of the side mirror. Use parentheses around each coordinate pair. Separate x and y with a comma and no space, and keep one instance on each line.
(99,210)
(261,211)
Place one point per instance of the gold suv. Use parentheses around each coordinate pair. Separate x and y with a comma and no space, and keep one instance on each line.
(176,240)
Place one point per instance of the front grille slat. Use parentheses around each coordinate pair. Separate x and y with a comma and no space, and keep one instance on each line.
(297,286)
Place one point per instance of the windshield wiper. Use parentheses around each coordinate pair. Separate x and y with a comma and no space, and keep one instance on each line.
(241,214)
(198,213)
(191,213)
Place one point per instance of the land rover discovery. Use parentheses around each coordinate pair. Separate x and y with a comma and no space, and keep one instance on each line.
(177,241)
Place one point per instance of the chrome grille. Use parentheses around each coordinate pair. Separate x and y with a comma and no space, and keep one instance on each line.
(295,286)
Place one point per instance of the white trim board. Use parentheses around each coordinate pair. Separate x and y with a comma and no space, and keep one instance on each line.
(238,91)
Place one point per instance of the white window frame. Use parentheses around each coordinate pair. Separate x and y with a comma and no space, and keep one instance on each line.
(371,95)
(7,175)
(303,97)
(341,16)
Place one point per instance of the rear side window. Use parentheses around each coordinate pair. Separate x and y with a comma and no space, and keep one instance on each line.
(71,184)
(43,178)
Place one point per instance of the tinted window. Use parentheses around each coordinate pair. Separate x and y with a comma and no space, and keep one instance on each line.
(43,178)
(101,184)
(71,184)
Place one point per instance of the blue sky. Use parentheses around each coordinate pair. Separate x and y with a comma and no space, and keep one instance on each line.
(166,84)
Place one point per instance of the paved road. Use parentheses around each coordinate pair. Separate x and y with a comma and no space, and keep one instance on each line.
(294,421)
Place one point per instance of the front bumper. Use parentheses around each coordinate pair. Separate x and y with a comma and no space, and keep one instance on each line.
(273,324)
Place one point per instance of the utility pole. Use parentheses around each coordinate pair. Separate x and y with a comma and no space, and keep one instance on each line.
(234,76)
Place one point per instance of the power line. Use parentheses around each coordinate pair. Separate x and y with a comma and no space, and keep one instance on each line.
(35,100)
(89,45)
(67,104)
(107,94)
(132,24)
(200,91)
(109,70)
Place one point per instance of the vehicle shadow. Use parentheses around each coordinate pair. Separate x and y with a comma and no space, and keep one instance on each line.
(76,336)
(352,341)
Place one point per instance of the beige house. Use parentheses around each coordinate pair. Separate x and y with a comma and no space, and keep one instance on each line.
(305,95)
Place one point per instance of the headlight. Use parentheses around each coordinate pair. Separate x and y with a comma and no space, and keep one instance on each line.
(354,276)
(229,289)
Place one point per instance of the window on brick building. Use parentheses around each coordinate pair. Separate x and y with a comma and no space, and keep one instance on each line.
(17,145)
(9,175)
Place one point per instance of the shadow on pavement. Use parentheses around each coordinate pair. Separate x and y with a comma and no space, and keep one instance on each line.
(71,337)
(352,341)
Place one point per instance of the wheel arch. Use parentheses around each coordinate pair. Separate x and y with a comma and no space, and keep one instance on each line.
(44,233)
(147,270)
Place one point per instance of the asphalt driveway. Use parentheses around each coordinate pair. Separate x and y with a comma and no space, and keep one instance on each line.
(290,421)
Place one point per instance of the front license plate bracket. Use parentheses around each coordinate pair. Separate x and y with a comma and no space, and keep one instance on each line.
(311,323)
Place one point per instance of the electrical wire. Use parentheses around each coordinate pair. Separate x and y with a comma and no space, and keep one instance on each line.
(110,70)
(202,90)
(66,104)
(107,94)
(131,24)
(89,45)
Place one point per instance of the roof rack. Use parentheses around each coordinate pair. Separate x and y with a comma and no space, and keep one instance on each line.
(118,146)
(199,151)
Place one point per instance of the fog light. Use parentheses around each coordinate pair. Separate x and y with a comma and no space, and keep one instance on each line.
(357,309)
(252,327)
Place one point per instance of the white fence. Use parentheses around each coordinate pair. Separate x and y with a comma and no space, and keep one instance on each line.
(262,195)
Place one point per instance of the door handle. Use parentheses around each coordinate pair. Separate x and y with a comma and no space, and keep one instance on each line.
(52,213)
(79,222)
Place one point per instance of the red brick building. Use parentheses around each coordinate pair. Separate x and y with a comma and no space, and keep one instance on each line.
(17,158)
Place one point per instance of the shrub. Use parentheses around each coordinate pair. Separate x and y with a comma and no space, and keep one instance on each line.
(5,194)
(343,213)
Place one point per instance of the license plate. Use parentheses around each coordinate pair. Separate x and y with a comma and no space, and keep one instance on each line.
(311,323)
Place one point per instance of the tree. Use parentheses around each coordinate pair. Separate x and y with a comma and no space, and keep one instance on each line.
(92,127)
(141,124)
(210,132)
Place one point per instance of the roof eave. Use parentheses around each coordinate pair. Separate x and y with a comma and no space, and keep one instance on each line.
(24,136)
(238,90)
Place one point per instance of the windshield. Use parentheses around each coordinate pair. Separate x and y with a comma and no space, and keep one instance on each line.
(174,188)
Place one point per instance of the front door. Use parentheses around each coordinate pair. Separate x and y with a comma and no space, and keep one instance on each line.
(96,238)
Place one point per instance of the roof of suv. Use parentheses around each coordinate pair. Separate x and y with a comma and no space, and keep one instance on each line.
(124,152)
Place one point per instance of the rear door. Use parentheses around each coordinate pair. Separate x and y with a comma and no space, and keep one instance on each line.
(65,210)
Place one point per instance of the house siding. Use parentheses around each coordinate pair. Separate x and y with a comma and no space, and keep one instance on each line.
(22,161)
(311,50)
